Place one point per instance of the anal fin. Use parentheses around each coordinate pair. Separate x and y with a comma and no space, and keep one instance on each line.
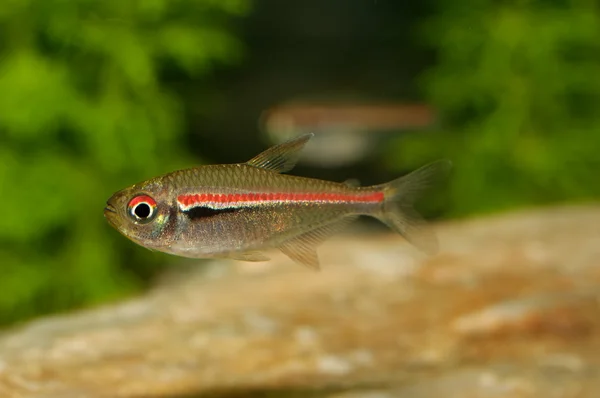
(301,252)
(303,248)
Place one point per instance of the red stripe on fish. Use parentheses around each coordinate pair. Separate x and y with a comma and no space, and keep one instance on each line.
(230,200)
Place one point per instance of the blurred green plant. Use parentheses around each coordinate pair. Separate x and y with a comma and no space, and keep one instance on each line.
(85,111)
(517,85)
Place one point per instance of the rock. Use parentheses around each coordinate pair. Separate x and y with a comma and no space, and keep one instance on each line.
(494,381)
(554,313)
(509,308)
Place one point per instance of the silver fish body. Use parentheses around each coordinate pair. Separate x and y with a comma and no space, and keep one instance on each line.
(241,210)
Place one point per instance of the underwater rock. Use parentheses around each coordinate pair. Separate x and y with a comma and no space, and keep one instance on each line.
(508,308)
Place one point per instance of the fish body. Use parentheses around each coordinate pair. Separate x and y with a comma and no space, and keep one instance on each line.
(240,210)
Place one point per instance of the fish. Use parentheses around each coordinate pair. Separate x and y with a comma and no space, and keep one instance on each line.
(241,211)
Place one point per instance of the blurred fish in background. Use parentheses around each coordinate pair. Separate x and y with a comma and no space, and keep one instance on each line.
(345,133)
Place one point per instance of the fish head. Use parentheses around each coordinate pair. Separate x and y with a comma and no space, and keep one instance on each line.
(141,213)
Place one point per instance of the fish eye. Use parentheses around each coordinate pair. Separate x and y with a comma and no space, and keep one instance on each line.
(142,208)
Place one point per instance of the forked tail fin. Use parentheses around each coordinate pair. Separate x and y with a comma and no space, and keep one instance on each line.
(400,195)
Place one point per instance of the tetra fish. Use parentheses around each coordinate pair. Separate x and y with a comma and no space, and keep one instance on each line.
(239,211)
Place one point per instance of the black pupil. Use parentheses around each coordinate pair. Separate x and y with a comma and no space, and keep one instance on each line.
(142,210)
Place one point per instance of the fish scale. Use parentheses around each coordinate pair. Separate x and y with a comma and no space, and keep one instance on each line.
(241,211)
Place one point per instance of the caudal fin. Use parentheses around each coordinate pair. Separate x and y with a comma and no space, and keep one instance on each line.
(400,195)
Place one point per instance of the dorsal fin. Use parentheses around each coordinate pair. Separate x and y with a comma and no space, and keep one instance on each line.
(352,183)
(283,157)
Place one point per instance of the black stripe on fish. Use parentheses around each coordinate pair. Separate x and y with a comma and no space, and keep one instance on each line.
(200,212)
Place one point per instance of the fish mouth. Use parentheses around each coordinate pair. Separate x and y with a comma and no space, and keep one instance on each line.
(110,213)
(109,208)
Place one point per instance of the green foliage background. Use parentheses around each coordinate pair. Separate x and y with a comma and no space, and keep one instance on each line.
(88,105)
(84,111)
(518,87)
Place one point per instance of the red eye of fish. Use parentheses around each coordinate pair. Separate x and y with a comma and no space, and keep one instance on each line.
(142,208)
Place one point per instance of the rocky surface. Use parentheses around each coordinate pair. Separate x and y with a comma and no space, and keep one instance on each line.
(509,308)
